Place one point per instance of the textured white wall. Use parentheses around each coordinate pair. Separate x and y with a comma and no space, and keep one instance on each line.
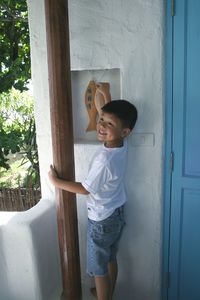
(126,35)
(29,260)
(39,72)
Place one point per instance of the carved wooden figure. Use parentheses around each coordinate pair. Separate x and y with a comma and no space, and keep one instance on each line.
(90,105)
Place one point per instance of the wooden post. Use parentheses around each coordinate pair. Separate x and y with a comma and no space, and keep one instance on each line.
(57,28)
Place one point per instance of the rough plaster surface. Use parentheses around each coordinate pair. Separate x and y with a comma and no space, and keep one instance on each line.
(29,261)
(129,35)
(124,35)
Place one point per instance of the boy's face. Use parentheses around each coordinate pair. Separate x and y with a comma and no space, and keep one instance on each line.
(110,130)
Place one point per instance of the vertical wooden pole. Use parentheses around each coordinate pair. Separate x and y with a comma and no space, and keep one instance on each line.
(57,28)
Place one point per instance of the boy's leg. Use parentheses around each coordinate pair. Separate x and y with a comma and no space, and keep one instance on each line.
(100,259)
(103,287)
(113,272)
(105,283)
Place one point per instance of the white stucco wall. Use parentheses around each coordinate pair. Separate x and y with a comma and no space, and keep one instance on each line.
(29,259)
(126,36)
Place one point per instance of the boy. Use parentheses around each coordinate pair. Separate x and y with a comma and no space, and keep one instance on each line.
(104,185)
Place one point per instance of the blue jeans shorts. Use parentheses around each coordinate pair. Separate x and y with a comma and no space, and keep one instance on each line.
(102,242)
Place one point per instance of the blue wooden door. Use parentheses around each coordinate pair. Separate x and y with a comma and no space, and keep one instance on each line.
(184,251)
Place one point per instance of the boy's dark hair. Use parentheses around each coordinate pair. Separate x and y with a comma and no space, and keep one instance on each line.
(124,110)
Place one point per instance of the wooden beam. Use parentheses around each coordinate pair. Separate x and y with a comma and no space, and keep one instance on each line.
(57,28)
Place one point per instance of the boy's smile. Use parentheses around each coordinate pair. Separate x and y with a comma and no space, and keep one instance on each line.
(110,130)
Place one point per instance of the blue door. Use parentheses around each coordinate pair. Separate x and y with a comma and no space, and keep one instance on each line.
(184,245)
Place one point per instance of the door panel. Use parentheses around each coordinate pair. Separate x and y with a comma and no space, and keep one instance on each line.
(189,246)
(192,87)
(184,253)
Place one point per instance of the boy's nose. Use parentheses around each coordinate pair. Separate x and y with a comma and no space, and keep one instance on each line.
(103,124)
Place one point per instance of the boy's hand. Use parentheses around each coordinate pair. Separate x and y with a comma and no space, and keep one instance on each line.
(103,88)
(52,174)
(69,186)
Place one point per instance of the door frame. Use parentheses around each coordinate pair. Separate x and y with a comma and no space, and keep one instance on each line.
(168,147)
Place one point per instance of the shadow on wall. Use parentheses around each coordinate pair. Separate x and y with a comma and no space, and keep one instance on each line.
(126,279)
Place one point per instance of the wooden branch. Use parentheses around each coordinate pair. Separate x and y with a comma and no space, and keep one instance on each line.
(14,19)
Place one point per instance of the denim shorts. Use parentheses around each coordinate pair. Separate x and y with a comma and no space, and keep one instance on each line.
(102,242)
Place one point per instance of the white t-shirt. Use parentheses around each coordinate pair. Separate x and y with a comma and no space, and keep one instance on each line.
(105,182)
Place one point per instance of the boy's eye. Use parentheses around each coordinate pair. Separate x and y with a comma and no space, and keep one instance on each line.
(110,124)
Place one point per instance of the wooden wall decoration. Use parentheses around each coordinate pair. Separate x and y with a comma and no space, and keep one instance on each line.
(94,100)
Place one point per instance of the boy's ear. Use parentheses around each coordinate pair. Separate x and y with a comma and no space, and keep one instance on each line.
(126,132)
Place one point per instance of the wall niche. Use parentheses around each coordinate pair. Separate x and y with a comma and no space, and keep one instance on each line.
(80,80)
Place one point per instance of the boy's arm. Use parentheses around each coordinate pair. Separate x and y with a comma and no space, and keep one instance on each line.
(70,186)
(104,91)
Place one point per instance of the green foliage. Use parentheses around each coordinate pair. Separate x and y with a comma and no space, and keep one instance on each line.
(17,131)
(17,125)
(16,175)
(14,45)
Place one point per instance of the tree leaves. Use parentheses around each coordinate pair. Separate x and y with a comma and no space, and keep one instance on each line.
(15,68)
(17,131)
(17,125)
